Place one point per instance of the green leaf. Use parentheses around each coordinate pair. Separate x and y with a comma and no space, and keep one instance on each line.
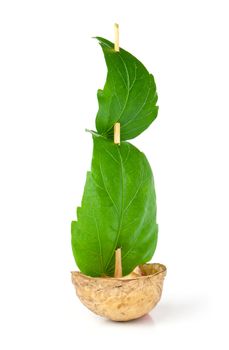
(118,210)
(129,95)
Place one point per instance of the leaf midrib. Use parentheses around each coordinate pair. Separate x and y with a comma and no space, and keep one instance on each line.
(121,209)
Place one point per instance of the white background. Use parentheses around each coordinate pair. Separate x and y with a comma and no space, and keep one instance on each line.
(50,70)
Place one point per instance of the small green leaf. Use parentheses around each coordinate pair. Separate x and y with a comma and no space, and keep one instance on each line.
(129,95)
(118,210)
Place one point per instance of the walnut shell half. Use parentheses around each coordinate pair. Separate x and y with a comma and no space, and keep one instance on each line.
(121,299)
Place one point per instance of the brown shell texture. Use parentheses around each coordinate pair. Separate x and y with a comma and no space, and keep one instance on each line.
(121,299)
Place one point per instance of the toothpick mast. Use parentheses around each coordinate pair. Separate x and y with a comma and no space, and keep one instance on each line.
(118,252)
(117,133)
(118,263)
(116,30)
(116,47)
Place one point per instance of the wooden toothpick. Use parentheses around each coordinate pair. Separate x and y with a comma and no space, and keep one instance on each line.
(118,253)
(116,47)
(118,263)
(117,133)
(116,30)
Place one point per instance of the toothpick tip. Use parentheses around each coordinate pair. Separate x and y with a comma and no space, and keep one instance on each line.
(116,43)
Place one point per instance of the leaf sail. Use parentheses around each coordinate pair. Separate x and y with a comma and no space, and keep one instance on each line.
(118,210)
(129,95)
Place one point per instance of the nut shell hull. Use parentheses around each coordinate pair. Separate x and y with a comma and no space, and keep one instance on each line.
(121,299)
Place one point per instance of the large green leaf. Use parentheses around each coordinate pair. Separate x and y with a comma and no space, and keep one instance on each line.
(129,95)
(118,210)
